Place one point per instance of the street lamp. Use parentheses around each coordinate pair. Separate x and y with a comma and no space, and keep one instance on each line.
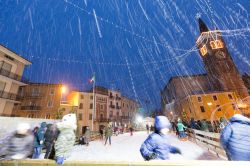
(209,104)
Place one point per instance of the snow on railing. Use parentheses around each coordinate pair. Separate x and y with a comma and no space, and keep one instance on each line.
(209,140)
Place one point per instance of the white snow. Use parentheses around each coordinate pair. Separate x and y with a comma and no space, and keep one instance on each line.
(126,148)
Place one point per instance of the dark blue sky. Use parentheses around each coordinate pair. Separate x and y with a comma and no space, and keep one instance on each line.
(131,45)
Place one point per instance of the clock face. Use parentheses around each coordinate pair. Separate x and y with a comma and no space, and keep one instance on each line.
(220,55)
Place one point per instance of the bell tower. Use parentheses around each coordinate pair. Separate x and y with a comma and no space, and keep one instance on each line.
(222,72)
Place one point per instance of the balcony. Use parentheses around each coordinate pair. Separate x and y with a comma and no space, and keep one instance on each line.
(31,107)
(118,98)
(111,97)
(118,107)
(112,106)
(11,75)
(9,96)
(35,96)
(102,120)
(125,117)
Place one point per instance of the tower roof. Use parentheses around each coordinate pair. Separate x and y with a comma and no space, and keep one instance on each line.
(202,25)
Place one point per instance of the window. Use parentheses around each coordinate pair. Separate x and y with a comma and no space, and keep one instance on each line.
(90,116)
(6,66)
(50,103)
(52,91)
(230,96)
(47,116)
(111,114)
(203,50)
(91,97)
(80,116)
(2,85)
(217,106)
(8,57)
(199,99)
(202,108)
(216,44)
(35,91)
(101,107)
(215,98)
(234,107)
(81,106)
(91,106)
(82,97)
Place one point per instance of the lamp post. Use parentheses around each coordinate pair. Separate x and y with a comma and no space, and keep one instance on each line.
(93,112)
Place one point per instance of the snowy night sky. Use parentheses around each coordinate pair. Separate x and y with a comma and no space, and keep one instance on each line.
(131,45)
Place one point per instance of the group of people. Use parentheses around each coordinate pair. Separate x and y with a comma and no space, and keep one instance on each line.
(57,139)
(234,138)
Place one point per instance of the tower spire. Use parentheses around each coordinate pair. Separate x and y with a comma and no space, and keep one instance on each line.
(202,25)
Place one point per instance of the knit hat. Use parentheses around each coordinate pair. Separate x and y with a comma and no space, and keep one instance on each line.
(162,122)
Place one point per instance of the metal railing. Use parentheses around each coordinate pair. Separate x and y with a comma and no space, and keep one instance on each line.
(209,140)
(101,120)
(31,107)
(9,74)
(9,96)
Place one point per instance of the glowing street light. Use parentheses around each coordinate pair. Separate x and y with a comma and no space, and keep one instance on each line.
(139,119)
(63,89)
(209,104)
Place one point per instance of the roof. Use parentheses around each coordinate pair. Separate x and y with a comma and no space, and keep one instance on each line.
(11,53)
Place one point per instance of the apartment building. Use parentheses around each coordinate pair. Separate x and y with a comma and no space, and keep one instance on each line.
(39,100)
(114,106)
(129,109)
(11,71)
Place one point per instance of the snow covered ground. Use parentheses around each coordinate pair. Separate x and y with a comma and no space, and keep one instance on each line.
(126,148)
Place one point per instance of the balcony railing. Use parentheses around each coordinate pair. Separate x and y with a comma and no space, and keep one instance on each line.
(9,74)
(9,96)
(118,107)
(102,120)
(112,106)
(37,95)
(31,107)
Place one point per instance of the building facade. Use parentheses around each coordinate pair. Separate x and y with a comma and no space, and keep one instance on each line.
(129,109)
(39,100)
(11,70)
(179,96)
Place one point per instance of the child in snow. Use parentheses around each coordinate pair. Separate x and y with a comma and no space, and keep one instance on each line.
(156,146)
(66,138)
(181,128)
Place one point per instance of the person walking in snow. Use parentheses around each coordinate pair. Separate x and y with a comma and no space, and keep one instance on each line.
(50,136)
(235,138)
(17,145)
(131,130)
(147,127)
(66,138)
(108,133)
(181,130)
(39,140)
(87,135)
(156,146)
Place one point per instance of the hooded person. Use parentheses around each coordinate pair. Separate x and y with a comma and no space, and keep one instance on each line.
(17,145)
(156,146)
(66,138)
(235,138)
(50,136)
(39,140)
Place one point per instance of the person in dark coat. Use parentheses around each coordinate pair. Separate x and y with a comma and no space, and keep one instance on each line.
(17,145)
(156,146)
(147,127)
(39,141)
(87,136)
(131,130)
(108,133)
(50,136)
(152,128)
(192,123)
(235,138)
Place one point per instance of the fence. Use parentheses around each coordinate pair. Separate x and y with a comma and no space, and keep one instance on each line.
(209,140)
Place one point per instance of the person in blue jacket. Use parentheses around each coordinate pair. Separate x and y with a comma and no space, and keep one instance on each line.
(156,146)
(39,140)
(235,138)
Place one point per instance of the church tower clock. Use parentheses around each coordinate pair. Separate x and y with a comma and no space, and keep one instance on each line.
(222,72)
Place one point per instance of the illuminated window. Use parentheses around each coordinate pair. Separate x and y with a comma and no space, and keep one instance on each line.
(203,50)
(216,44)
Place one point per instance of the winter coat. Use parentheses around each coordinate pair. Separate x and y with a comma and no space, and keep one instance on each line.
(51,133)
(204,126)
(16,144)
(156,146)
(235,138)
(66,138)
(39,135)
(180,126)
(108,131)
